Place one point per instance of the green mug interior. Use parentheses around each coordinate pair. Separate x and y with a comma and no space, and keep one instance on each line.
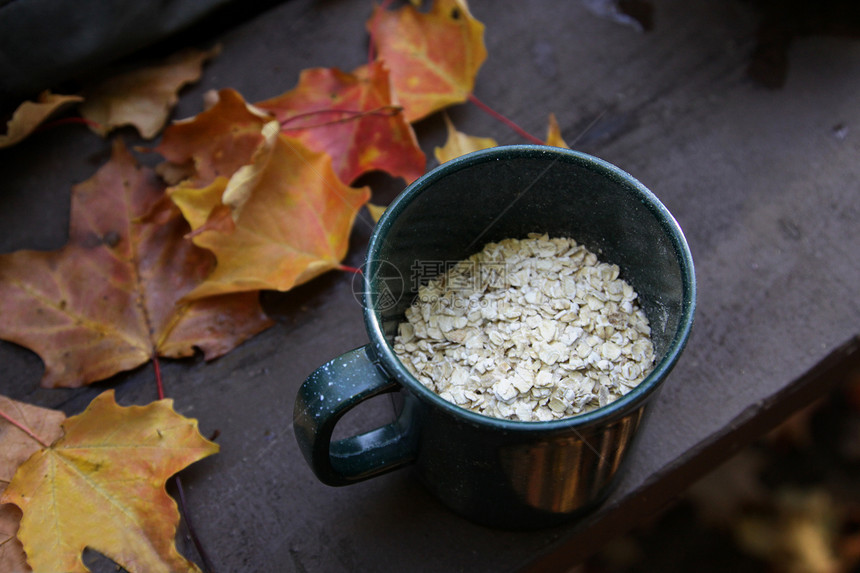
(510,191)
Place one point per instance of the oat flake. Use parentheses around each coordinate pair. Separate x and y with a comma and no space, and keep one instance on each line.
(531,329)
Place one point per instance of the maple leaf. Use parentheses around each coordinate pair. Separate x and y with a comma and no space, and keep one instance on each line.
(375,211)
(30,115)
(553,135)
(279,223)
(797,534)
(350,116)
(107,301)
(458,143)
(12,557)
(433,57)
(216,142)
(143,97)
(15,447)
(102,485)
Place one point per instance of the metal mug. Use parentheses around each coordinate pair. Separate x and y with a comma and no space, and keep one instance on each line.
(503,473)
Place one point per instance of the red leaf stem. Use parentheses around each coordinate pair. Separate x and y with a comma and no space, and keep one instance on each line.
(351,114)
(75,120)
(496,115)
(159,381)
(24,429)
(204,557)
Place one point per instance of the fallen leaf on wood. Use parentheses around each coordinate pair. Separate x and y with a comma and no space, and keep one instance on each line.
(30,115)
(433,57)
(458,143)
(278,223)
(102,485)
(143,97)
(376,211)
(107,301)
(799,536)
(553,135)
(215,143)
(12,557)
(350,116)
(15,447)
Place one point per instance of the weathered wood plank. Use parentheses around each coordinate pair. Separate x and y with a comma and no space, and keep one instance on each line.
(765,188)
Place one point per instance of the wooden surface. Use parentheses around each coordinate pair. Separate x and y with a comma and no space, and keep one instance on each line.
(764,183)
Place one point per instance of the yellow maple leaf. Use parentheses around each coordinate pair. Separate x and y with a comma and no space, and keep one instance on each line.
(375,211)
(553,134)
(15,447)
(458,143)
(30,115)
(102,485)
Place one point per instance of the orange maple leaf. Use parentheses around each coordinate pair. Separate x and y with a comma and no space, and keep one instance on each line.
(143,97)
(433,57)
(216,142)
(15,447)
(350,116)
(107,301)
(102,485)
(278,222)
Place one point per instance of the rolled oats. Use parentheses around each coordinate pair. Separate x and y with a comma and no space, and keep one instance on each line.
(531,329)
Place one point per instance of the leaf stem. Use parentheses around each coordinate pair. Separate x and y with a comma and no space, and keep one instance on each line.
(207,563)
(350,269)
(24,429)
(68,120)
(351,114)
(183,506)
(496,115)
(159,381)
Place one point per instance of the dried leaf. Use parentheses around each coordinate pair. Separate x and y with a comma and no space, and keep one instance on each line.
(102,485)
(458,143)
(433,57)
(798,537)
(143,97)
(12,557)
(293,225)
(375,211)
(107,301)
(15,447)
(553,135)
(30,115)
(350,116)
(216,142)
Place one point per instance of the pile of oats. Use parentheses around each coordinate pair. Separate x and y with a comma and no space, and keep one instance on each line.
(529,329)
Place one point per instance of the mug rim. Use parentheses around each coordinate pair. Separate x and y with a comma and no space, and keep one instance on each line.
(620,407)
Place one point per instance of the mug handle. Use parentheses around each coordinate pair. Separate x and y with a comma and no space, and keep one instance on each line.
(325,396)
